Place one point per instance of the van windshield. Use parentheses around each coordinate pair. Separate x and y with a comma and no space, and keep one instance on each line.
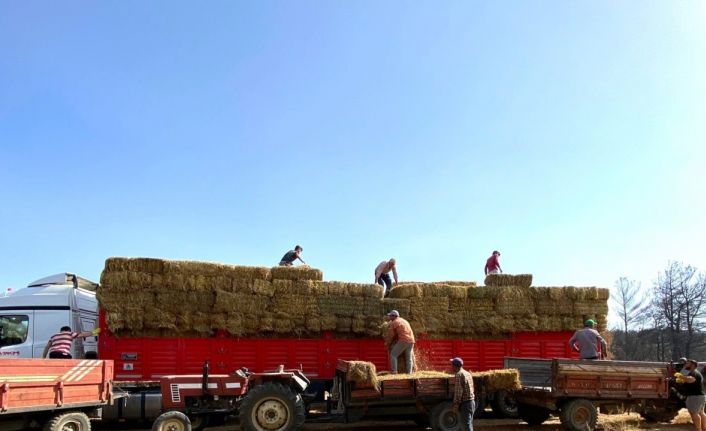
(13,329)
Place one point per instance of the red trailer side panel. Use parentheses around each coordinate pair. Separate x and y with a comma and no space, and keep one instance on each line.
(152,358)
(48,384)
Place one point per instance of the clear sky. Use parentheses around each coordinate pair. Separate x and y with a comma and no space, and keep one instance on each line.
(571,136)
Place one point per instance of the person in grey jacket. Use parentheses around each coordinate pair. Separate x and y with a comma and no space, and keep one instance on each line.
(585,342)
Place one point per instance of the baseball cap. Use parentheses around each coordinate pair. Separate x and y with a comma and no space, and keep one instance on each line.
(682,360)
(458,362)
(394,313)
(590,322)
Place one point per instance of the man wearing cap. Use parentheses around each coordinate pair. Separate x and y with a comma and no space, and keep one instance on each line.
(463,402)
(693,389)
(492,265)
(587,340)
(382,274)
(402,341)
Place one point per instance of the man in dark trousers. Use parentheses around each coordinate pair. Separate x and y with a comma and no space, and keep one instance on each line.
(59,345)
(692,388)
(292,255)
(464,398)
(492,265)
(382,274)
(587,340)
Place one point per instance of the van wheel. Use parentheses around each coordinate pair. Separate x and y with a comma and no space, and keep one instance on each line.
(172,421)
(71,421)
(579,415)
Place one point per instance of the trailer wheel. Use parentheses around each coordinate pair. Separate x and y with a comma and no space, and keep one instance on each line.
(71,421)
(533,415)
(172,421)
(579,415)
(504,404)
(272,407)
(443,418)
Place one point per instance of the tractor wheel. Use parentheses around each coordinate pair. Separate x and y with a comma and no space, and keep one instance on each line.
(504,404)
(579,415)
(272,407)
(199,422)
(479,412)
(71,421)
(422,421)
(533,415)
(172,421)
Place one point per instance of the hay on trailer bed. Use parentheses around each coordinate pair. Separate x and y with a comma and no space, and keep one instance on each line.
(521,280)
(363,374)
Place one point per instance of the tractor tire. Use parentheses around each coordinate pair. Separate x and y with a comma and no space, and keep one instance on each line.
(272,407)
(199,422)
(504,405)
(422,421)
(579,415)
(533,415)
(172,421)
(656,416)
(479,412)
(69,421)
(443,418)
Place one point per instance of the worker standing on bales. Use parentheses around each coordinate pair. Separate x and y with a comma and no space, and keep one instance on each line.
(587,340)
(464,398)
(402,341)
(59,345)
(382,274)
(292,255)
(692,387)
(492,265)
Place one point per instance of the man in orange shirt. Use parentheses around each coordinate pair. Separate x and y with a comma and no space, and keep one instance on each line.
(402,341)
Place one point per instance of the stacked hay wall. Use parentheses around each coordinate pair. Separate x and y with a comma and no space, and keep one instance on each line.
(155,297)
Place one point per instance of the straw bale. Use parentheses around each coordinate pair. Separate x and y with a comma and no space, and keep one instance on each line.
(602,294)
(429,306)
(160,319)
(263,287)
(242,286)
(458,283)
(372,307)
(415,375)
(235,324)
(483,292)
(521,280)
(373,328)
(406,291)
(283,325)
(114,281)
(305,287)
(454,322)
(295,273)
(561,307)
(363,374)
(313,324)
(365,290)
(328,322)
(341,305)
(282,287)
(590,307)
(240,302)
(497,380)
(128,318)
(335,288)
(359,325)
(417,327)
(514,300)
(344,324)
(436,290)
(400,304)
(218,320)
(267,322)
(192,301)
(293,305)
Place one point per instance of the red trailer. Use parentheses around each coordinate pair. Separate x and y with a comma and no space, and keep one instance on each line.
(56,393)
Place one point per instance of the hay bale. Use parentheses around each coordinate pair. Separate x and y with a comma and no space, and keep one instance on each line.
(293,305)
(313,324)
(498,380)
(228,302)
(186,301)
(302,272)
(373,307)
(363,374)
(443,290)
(365,290)
(400,304)
(512,300)
(359,325)
(160,319)
(344,324)
(333,288)
(263,287)
(406,291)
(344,306)
(328,322)
(521,280)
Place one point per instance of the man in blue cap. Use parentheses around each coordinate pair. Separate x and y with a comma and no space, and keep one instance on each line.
(588,340)
(464,399)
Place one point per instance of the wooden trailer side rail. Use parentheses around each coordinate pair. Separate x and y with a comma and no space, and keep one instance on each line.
(30,385)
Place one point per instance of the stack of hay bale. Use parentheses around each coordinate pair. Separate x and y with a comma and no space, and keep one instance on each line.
(506,304)
(155,297)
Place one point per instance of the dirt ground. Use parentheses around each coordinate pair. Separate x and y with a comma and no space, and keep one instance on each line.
(626,422)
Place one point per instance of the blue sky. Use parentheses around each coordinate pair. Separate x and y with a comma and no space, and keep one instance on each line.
(568,135)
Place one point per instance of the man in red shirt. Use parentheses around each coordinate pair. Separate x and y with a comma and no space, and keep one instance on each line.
(402,341)
(59,345)
(492,265)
